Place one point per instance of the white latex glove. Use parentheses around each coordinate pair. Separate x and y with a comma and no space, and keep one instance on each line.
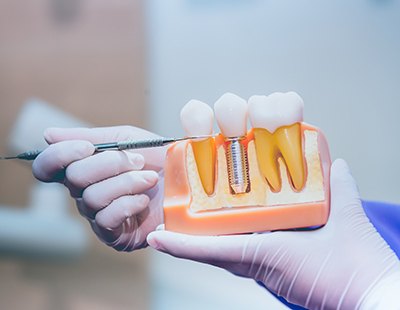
(117,191)
(334,267)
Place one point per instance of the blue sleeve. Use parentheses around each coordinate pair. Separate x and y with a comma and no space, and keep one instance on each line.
(386,219)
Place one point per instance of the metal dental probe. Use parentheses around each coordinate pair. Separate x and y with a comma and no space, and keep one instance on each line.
(120,146)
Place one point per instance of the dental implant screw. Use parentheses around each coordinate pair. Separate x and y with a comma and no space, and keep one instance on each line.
(238,166)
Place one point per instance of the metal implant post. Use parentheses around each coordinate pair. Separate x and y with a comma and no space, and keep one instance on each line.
(238,166)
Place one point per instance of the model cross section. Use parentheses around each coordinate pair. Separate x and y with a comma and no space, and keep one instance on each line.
(274,175)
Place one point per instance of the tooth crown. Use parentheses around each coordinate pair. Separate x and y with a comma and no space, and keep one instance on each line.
(231,114)
(276,110)
(197,118)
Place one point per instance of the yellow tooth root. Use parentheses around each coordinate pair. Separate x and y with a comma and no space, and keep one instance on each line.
(289,139)
(285,141)
(204,154)
(267,154)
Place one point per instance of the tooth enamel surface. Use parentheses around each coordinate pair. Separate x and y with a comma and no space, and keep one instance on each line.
(231,114)
(276,121)
(197,119)
(276,110)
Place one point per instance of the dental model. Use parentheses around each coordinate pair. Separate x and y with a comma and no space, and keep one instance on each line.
(275,176)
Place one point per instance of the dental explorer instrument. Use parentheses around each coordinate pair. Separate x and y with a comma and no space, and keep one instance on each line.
(120,146)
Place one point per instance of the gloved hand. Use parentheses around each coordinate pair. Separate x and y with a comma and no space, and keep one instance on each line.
(119,192)
(334,267)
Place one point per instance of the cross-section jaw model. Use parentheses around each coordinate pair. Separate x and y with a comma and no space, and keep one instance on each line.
(275,176)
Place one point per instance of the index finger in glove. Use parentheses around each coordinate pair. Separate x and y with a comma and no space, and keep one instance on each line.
(216,250)
(97,135)
(50,165)
(154,157)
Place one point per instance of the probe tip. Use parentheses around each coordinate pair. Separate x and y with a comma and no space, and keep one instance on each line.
(8,157)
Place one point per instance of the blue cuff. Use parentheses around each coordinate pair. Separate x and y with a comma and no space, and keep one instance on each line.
(386,219)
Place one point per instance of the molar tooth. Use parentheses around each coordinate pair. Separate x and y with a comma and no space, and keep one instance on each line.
(276,110)
(277,131)
(197,120)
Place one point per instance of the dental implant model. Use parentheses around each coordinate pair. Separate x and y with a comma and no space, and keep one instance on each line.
(231,114)
(274,176)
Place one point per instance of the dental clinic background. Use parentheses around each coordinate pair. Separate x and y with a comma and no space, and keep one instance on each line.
(104,63)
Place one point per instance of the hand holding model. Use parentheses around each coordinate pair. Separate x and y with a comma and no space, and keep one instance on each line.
(119,192)
(344,265)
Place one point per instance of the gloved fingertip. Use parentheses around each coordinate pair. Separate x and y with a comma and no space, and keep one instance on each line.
(85,148)
(143,199)
(137,160)
(343,185)
(340,164)
(161,227)
(151,177)
(340,171)
(48,135)
(37,171)
(152,241)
